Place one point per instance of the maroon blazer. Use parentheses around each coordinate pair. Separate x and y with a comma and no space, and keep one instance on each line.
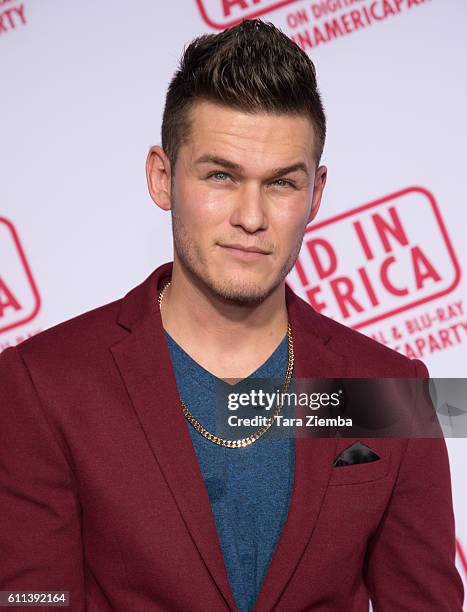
(101,493)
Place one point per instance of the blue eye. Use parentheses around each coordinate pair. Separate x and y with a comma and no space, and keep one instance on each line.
(213,174)
(286,182)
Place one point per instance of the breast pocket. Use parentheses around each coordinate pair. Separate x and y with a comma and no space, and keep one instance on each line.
(360,472)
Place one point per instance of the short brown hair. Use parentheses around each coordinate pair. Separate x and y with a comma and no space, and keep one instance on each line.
(252,67)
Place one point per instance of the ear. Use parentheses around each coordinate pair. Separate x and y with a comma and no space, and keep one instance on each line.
(319,183)
(158,175)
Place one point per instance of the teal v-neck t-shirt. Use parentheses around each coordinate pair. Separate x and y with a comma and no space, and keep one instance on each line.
(249,488)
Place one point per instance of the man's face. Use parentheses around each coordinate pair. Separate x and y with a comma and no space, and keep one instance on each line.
(243,181)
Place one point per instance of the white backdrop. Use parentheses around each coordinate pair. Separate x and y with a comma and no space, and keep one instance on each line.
(83,87)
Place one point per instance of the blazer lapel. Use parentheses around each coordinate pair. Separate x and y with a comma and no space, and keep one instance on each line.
(315,357)
(144,362)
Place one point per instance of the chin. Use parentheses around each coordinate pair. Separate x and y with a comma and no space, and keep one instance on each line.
(241,291)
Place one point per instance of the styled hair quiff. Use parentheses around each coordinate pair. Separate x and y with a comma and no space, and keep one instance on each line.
(252,67)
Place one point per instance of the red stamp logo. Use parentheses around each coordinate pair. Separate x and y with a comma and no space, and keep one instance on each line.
(222,14)
(377,260)
(11,17)
(461,555)
(19,299)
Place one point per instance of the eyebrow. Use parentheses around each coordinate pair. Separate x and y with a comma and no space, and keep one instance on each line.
(226,163)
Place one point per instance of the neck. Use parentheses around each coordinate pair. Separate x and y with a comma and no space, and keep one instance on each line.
(229,340)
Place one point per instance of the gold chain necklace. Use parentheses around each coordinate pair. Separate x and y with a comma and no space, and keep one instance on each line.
(262,430)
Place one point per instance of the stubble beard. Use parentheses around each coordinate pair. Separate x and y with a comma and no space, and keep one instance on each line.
(238,293)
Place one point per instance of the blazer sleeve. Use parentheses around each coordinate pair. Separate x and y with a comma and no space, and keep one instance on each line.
(40,528)
(410,563)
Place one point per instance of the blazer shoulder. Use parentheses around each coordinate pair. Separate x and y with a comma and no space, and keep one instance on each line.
(82,334)
(369,357)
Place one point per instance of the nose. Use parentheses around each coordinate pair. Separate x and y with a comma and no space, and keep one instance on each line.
(249,210)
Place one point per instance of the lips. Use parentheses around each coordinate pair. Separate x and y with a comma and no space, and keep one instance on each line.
(240,247)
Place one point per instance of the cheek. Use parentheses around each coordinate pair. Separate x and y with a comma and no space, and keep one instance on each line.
(200,206)
(290,219)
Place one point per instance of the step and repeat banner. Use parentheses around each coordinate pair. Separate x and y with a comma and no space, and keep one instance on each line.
(83,87)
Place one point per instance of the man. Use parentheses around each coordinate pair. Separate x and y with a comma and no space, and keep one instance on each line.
(115,484)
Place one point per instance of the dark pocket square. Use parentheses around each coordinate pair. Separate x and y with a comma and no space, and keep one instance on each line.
(356,453)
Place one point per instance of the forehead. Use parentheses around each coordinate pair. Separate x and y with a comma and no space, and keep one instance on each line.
(259,138)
